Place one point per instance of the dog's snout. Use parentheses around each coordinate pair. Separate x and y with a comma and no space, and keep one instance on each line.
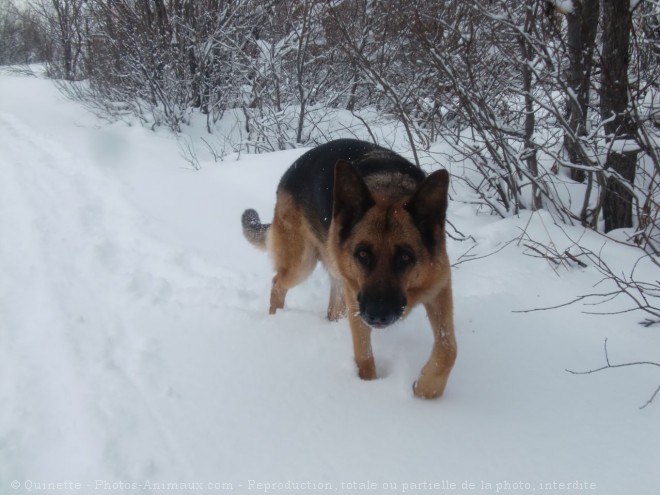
(380,320)
(381,308)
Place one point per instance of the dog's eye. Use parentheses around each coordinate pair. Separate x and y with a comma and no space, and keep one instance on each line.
(403,259)
(364,256)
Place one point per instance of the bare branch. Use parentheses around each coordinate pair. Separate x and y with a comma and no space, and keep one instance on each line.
(609,365)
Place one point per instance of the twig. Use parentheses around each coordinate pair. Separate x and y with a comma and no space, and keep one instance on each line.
(543,255)
(188,153)
(463,236)
(464,255)
(573,258)
(609,365)
(644,295)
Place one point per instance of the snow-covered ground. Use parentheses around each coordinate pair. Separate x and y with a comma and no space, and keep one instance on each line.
(137,355)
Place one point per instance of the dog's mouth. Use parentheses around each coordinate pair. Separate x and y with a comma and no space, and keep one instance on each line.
(379,322)
(380,326)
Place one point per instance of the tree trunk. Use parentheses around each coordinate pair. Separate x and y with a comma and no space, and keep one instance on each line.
(582,28)
(620,128)
(617,204)
(530,121)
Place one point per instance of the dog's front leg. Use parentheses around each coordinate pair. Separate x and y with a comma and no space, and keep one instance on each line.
(433,378)
(336,305)
(361,332)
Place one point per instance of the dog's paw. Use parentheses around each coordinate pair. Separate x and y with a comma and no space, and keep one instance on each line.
(367,369)
(428,389)
(336,315)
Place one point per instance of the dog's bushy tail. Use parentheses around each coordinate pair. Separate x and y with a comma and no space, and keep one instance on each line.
(253,230)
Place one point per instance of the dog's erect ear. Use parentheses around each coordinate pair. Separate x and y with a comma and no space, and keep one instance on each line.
(351,199)
(428,207)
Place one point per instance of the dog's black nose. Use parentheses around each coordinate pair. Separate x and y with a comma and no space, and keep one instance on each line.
(380,320)
(381,308)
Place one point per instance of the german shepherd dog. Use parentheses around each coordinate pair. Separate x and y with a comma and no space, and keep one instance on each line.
(377,223)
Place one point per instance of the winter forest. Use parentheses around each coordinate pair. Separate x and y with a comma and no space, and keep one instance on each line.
(528,90)
(134,133)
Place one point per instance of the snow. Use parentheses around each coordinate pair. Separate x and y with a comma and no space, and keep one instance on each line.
(136,350)
(564,6)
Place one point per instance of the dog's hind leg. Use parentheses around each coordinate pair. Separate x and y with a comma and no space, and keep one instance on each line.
(293,252)
(291,270)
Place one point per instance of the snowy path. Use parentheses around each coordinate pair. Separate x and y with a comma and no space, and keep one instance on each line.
(40,357)
(135,344)
(64,331)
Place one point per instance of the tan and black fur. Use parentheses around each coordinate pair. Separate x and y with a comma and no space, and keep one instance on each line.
(377,223)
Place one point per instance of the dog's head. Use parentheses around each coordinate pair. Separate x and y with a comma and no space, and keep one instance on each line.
(389,249)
